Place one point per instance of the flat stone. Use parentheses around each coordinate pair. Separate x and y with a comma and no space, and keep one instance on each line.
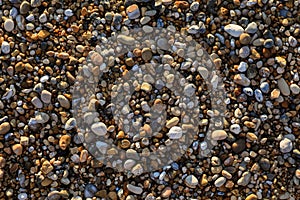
(286,145)
(219,135)
(124,39)
(99,128)
(175,133)
(46,96)
(244,52)
(283,87)
(134,189)
(4,128)
(9,25)
(172,122)
(234,30)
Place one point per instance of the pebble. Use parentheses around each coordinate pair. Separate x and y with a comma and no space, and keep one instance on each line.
(17,149)
(295,89)
(63,101)
(24,7)
(36,3)
(2,162)
(37,102)
(9,25)
(235,128)
(68,12)
(275,93)
(264,87)
(234,30)
(245,179)
(64,141)
(283,87)
(90,191)
(191,181)
(244,52)
(241,79)
(146,54)
(126,39)
(175,133)
(258,95)
(286,145)
(134,189)
(243,66)
(189,90)
(251,197)
(70,124)
(245,38)
(292,41)
(133,11)
(220,181)
(99,128)
(251,28)
(166,193)
(5,47)
(268,43)
(239,146)
(4,128)
(248,91)
(43,18)
(219,135)
(46,96)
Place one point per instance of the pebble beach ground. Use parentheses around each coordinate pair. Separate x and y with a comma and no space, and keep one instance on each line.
(254,45)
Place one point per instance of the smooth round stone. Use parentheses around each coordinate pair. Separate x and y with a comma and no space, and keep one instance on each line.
(244,52)
(251,28)
(245,38)
(283,87)
(22,196)
(4,128)
(219,135)
(133,11)
(243,66)
(17,149)
(295,88)
(124,39)
(175,133)
(220,181)
(268,43)
(203,72)
(129,164)
(24,7)
(166,192)
(5,47)
(9,25)
(191,181)
(163,44)
(147,29)
(286,145)
(145,20)
(234,30)
(90,191)
(265,87)
(235,128)
(99,128)
(258,95)
(63,101)
(239,146)
(258,42)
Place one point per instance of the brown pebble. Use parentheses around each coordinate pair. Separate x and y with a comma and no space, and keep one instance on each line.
(239,146)
(251,197)
(64,141)
(83,156)
(17,149)
(2,162)
(245,38)
(4,128)
(166,192)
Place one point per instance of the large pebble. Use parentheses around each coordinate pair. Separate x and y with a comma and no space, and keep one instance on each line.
(219,135)
(4,128)
(284,87)
(9,25)
(133,11)
(90,191)
(37,102)
(234,30)
(286,145)
(24,7)
(63,101)
(251,28)
(99,128)
(70,124)
(295,88)
(17,149)
(220,181)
